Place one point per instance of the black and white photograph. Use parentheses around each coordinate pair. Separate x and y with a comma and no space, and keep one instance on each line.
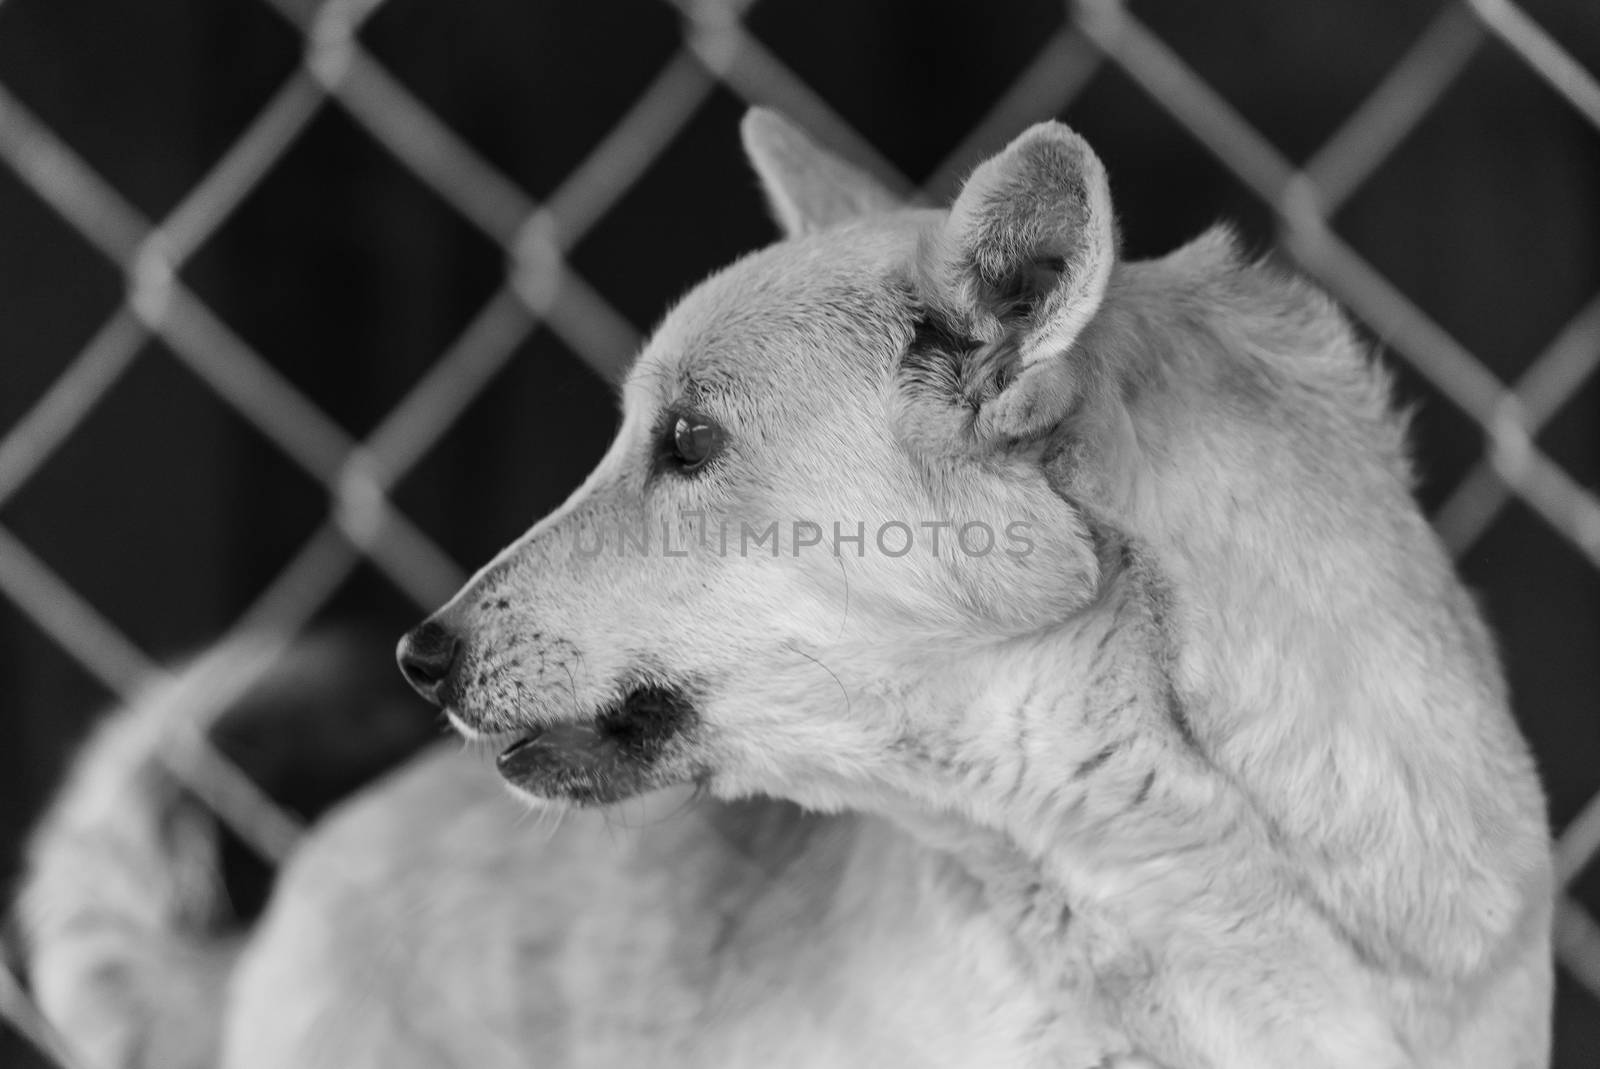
(790,534)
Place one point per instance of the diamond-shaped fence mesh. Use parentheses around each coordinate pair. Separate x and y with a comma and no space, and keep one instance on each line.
(541,291)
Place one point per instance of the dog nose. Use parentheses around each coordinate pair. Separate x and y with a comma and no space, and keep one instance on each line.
(426,654)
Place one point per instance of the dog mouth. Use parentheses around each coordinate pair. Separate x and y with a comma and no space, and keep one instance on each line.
(616,755)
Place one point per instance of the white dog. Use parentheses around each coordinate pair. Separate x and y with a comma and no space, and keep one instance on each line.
(1135,711)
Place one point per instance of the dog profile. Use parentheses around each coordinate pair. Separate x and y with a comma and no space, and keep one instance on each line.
(974,649)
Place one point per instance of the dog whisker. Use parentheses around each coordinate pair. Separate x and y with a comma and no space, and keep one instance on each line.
(831,674)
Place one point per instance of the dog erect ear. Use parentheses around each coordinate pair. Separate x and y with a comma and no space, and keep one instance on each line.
(809,189)
(1022,265)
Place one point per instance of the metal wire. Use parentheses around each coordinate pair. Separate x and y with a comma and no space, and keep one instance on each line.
(541,287)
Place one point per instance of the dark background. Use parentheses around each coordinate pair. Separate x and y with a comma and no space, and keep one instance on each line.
(169,513)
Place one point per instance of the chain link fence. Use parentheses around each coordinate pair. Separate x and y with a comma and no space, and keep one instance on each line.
(541,289)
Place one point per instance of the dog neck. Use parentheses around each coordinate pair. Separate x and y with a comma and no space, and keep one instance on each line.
(1060,763)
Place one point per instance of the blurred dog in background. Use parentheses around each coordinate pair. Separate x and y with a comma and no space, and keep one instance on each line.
(1201,758)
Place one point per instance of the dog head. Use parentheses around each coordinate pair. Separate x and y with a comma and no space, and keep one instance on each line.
(828,476)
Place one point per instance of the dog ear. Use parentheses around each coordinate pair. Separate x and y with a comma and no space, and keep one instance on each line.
(1021,265)
(809,189)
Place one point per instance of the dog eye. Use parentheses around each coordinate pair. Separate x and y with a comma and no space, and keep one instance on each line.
(694,440)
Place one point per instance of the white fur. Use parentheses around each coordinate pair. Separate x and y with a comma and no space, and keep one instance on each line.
(1220,775)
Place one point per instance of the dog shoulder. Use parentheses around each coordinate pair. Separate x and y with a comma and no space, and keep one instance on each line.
(1326,650)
